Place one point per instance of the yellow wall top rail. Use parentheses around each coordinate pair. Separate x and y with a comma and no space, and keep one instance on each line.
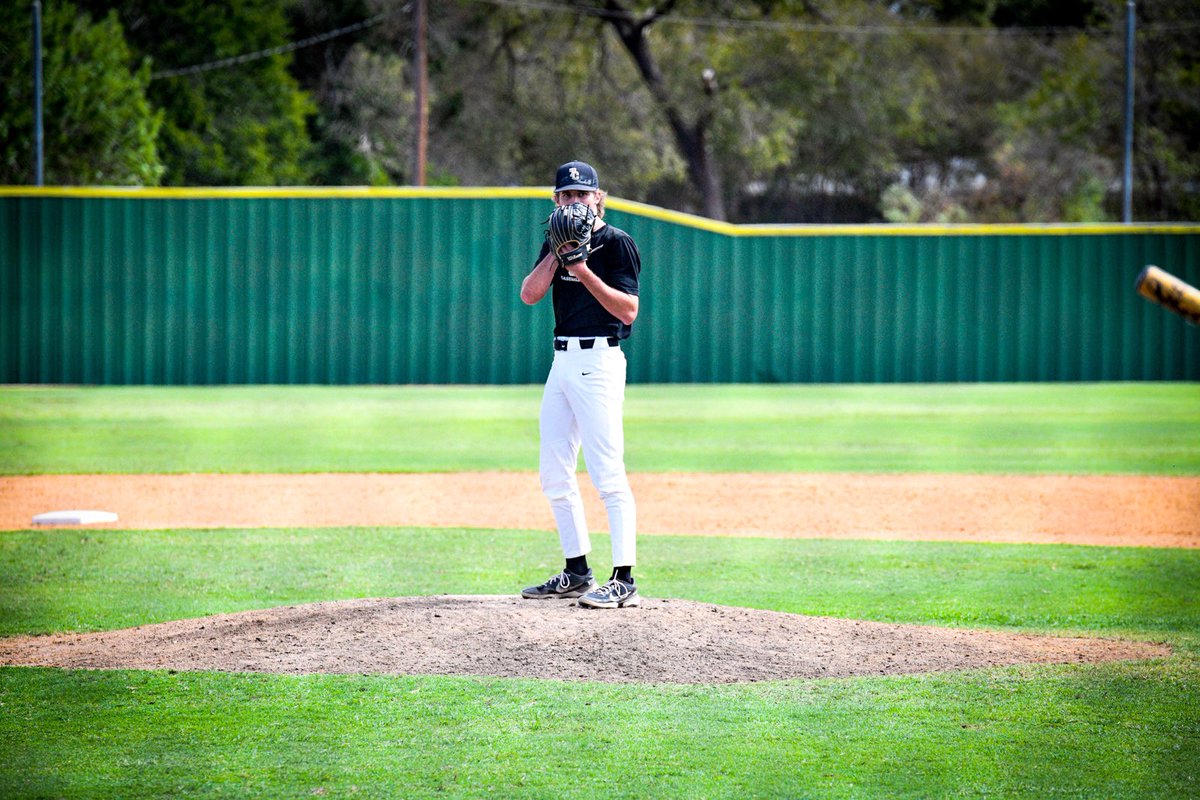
(628,206)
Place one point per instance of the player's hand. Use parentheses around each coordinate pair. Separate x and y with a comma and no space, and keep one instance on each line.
(572,253)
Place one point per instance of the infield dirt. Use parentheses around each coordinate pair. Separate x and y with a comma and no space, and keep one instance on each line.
(665,640)
(1151,511)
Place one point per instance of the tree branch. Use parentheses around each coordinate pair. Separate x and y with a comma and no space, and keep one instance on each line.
(690,138)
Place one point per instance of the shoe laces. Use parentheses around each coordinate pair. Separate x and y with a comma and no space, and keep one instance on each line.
(614,588)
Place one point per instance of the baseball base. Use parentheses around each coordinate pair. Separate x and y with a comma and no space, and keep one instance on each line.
(83,517)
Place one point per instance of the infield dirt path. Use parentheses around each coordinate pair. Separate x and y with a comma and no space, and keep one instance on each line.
(1103,510)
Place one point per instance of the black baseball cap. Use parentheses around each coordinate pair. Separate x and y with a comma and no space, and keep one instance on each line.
(576,175)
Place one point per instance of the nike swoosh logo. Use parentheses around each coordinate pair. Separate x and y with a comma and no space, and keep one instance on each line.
(585,373)
(596,249)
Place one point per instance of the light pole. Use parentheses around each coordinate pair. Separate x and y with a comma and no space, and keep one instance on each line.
(1127,178)
(420,59)
(37,93)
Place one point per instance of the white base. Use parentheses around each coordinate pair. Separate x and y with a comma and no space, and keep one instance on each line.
(73,517)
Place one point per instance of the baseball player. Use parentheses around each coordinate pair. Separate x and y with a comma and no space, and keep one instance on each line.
(591,269)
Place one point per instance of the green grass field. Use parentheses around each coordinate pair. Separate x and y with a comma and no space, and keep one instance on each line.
(1112,730)
(984,428)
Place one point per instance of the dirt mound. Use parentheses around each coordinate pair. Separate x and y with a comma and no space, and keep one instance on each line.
(663,641)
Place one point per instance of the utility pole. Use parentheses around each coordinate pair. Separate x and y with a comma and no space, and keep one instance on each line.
(1127,177)
(38,145)
(421,73)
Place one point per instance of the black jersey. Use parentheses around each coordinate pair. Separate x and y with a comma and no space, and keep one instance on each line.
(615,259)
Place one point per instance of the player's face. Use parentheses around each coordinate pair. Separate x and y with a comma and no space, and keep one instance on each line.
(576,196)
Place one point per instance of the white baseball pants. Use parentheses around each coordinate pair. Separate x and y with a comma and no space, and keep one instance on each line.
(582,404)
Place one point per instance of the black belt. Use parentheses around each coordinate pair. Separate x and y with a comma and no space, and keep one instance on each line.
(585,344)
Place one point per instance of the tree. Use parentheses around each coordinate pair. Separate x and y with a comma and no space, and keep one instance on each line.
(242,124)
(1167,112)
(1050,158)
(516,93)
(1044,148)
(691,130)
(99,127)
(359,82)
(367,115)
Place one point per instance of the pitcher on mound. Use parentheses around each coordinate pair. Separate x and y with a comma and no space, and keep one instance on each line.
(591,270)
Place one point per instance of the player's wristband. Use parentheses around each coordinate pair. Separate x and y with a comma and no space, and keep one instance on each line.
(574,256)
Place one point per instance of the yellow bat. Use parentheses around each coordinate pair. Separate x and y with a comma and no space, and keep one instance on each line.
(1170,292)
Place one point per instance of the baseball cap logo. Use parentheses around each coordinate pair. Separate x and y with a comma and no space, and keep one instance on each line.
(577,175)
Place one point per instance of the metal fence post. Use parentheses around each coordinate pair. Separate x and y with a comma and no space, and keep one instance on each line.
(37,93)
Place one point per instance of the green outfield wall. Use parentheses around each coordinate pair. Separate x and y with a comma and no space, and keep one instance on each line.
(362,286)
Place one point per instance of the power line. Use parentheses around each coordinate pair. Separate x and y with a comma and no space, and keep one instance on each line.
(283,48)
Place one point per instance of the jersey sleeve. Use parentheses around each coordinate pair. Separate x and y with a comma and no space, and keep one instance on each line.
(542,252)
(627,265)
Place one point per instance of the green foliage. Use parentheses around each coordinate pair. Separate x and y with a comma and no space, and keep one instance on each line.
(98,126)
(367,118)
(238,125)
(1167,133)
(1051,143)
(515,93)
(1022,429)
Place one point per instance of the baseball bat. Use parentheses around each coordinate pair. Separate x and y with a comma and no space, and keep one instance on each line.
(1170,292)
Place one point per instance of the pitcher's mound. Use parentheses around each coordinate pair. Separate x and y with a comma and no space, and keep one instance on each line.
(663,641)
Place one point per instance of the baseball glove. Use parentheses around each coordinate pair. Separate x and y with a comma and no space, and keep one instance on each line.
(570,232)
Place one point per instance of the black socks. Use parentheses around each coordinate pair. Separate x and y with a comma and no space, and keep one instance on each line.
(579,566)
